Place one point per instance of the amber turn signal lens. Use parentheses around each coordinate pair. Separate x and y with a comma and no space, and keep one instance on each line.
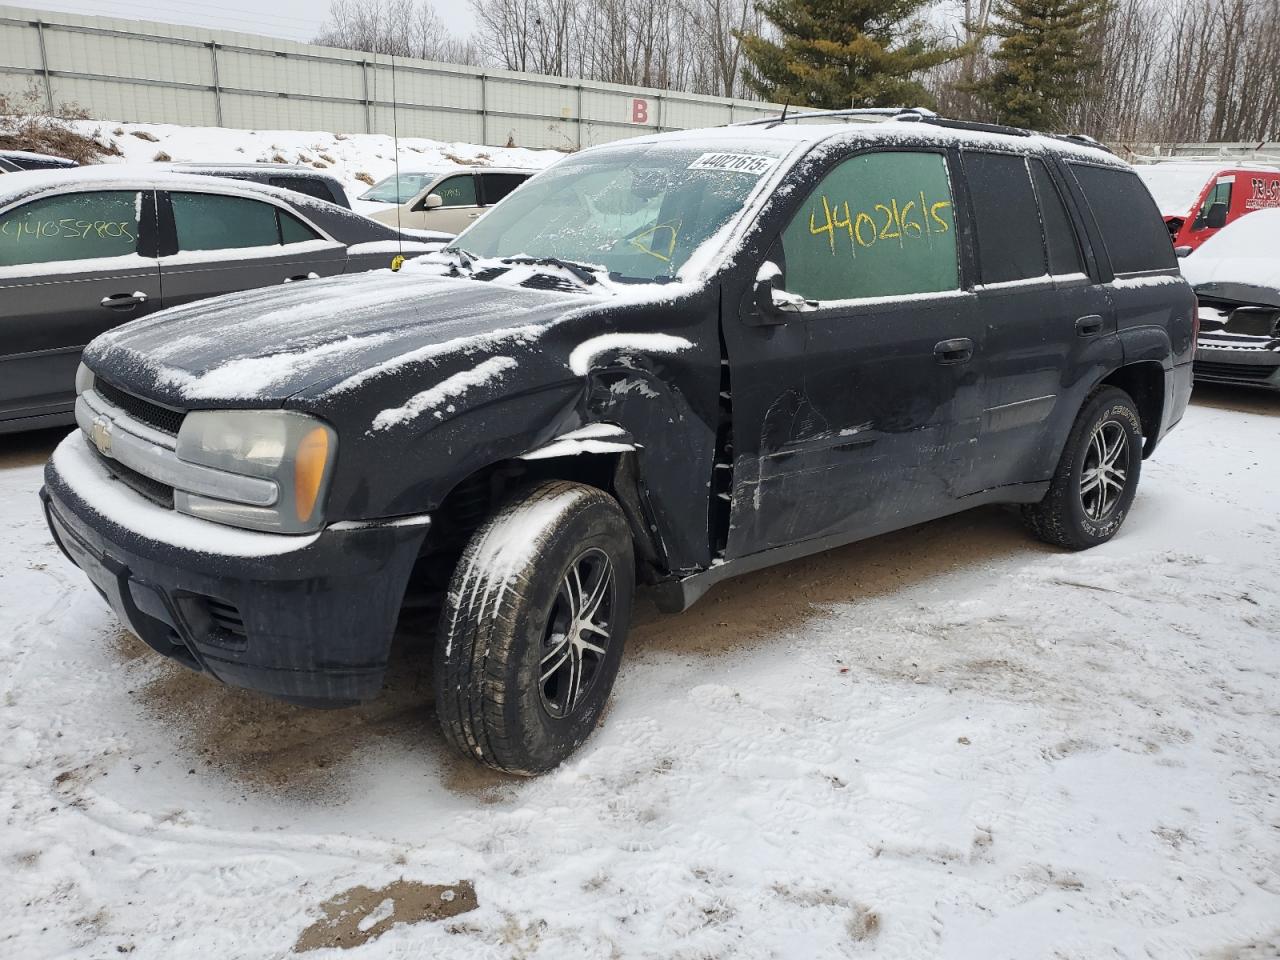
(308,471)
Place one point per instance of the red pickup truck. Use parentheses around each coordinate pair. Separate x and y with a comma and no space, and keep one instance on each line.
(1200,197)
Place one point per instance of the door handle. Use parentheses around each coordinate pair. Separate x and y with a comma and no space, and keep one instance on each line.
(303,276)
(959,350)
(473,216)
(123,301)
(1089,326)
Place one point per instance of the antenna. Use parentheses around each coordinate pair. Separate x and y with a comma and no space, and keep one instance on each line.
(398,262)
(786,104)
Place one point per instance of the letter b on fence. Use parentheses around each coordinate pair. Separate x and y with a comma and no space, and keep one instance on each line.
(639,110)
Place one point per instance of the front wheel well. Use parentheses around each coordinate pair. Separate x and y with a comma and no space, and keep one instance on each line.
(1144,382)
(474,498)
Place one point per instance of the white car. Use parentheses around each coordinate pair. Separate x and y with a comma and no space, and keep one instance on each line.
(1236,276)
(447,201)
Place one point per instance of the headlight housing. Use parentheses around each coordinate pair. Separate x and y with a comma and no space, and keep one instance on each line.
(294,450)
(84,379)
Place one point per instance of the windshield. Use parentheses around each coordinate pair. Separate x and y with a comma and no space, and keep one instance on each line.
(410,185)
(640,211)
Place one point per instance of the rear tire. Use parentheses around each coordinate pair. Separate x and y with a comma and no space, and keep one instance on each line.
(1097,478)
(533,628)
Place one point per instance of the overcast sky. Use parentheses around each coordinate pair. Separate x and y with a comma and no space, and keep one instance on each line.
(293,19)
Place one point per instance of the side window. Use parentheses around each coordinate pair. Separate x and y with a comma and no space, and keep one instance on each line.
(208,221)
(1132,228)
(498,185)
(311,186)
(1010,239)
(293,230)
(458,191)
(1059,233)
(1221,193)
(77,226)
(878,225)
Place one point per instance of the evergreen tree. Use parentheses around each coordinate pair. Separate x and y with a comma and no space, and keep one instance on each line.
(833,54)
(1043,62)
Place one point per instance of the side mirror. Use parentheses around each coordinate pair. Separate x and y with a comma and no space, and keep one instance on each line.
(1217,217)
(772,304)
(1182,251)
(433,200)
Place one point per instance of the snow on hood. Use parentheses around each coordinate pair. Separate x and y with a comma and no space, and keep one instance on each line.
(269,344)
(1246,251)
(1176,186)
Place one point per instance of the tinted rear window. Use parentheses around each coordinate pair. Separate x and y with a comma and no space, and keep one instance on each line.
(312,187)
(1131,226)
(1010,244)
(1059,234)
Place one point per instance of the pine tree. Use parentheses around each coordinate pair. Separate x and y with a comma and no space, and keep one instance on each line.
(1043,61)
(840,53)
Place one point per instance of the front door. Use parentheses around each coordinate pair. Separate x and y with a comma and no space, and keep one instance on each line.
(461,206)
(70,269)
(860,413)
(217,243)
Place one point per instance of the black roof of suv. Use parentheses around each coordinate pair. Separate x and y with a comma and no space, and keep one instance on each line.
(286,176)
(666,360)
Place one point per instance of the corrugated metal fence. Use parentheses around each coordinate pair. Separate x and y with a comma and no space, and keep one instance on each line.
(131,70)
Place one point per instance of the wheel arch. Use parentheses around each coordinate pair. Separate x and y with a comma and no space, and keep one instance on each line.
(1144,382)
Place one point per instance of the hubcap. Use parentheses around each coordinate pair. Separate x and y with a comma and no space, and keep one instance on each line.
(1105,471)
(577,637)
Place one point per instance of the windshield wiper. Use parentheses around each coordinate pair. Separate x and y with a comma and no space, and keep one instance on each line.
(583,271)
(466,259)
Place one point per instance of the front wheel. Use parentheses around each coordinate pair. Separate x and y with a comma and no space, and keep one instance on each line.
(1097,477)
(533,628)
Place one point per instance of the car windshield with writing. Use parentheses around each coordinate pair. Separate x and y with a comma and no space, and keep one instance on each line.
(640,212)
(400,188)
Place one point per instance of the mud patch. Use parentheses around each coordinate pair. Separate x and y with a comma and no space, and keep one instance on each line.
(359,915)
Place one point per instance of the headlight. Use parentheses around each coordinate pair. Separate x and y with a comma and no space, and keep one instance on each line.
(84,379)
(294,450)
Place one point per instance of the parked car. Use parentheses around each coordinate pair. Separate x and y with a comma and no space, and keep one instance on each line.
(1236,275)
(401,186)
(667,360)
(8,166)
(25,160)
(450,201)
(1198,198)
(84,250)
(286,176)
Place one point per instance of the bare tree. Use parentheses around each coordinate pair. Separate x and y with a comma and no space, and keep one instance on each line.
(401,28)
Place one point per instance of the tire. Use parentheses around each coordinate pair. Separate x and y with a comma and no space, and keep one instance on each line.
(506,653)
(1084,508)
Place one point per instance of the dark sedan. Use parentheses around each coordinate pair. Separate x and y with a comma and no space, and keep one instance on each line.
(85,250)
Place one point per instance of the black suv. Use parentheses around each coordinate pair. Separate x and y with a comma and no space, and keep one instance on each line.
(664,361)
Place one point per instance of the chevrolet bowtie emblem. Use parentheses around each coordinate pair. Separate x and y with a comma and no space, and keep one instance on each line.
(100,434)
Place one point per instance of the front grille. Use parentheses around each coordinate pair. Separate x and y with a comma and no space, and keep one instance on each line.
(1232,371)
(226,616)
(158,493)
(162,418)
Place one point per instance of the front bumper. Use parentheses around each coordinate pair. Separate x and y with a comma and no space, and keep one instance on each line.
(310,625)
(1249,367)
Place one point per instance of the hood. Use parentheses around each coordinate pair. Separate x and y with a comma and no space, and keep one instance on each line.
(261,347)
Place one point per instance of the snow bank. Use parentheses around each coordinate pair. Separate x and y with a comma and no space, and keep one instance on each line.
(351,157)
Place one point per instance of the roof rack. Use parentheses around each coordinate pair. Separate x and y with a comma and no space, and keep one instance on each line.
(915,115)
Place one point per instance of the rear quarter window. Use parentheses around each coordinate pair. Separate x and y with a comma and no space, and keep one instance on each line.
(1132,228)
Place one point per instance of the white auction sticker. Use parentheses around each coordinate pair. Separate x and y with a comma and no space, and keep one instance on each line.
(734,163)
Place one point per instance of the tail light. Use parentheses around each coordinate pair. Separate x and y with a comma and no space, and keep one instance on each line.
(1195,323)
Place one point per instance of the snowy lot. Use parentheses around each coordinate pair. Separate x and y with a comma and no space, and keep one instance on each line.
(947,742)
(349,157)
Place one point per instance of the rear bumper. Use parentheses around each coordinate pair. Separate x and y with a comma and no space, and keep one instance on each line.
(1242,367)
(310,625)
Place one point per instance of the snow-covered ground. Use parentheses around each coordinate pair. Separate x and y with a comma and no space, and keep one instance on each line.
(352,158)
(948,742)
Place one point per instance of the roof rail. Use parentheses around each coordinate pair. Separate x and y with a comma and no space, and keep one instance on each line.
(881,113)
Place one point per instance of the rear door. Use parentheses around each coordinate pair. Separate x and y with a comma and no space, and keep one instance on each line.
(215,243)
(495,187)
(858,415)
(1048,328)
(71,267)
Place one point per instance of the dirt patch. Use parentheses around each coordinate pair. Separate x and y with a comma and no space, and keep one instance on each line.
(760,605)
(359,915)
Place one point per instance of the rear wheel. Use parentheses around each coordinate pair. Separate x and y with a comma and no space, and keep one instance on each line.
(1097,477)
(533,628)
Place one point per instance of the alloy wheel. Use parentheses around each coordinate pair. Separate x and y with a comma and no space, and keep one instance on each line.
(1105,471)
(577,636)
